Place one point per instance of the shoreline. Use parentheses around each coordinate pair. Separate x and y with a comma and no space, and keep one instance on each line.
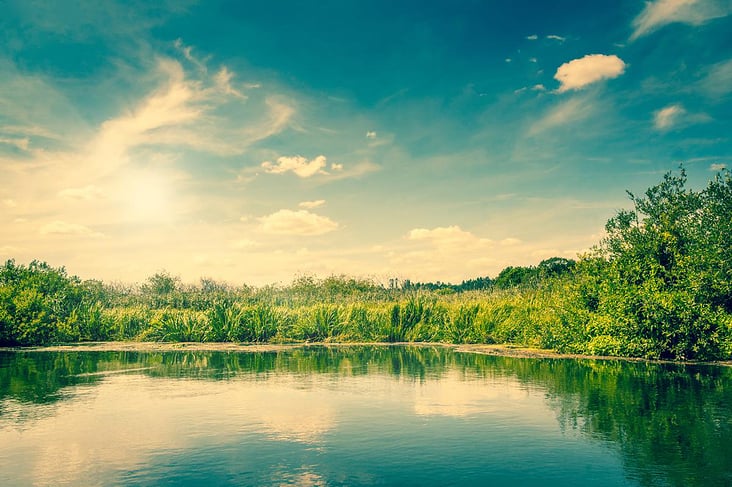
(501,350)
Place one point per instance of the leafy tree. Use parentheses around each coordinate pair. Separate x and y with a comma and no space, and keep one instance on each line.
(516,276)
(555,266)
(665,282)
(37,302)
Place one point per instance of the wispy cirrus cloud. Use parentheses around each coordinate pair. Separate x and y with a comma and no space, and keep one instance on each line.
(309,205)
(584,71)
(676,116)
(19,143)
(718,80)
(667,117)
(566,112)
(663,12)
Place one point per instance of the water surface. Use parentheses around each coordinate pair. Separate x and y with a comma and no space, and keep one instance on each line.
(364,415)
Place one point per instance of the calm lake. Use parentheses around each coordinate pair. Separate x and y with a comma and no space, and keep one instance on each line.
(359,415)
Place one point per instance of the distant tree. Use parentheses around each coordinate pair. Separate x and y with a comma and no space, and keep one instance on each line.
(475,284)
(516,276)
(161,283)
(555,266)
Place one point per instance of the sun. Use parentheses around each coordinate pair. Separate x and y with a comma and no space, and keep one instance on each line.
(148,196)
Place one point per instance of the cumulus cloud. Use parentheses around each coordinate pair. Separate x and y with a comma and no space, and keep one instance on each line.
(578,73)
(301,222)
(718,167)
(309,205)
(663,12)
(452,237)
(301,166)
(667,117)
(59,227)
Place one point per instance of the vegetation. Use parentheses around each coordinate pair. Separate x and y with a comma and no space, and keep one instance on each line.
(658,286)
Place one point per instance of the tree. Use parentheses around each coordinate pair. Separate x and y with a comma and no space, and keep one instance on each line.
(665,284)
(37,303)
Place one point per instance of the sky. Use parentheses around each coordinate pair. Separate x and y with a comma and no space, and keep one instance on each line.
(255,142)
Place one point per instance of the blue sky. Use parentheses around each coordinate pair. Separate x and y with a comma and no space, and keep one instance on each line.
(254,142)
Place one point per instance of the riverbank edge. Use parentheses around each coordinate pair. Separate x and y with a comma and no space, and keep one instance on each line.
(503,350)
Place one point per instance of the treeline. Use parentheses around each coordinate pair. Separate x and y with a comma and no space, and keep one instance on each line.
(658,286)
(509,277)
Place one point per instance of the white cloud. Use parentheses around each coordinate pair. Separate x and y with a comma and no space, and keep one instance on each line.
(532,37)
(178,113)
(533,60)
(370,134)
(718,80)
(64,228)
(569,111)
(538,87)
(309,205)
(86,193)
(667,117)
(578,73)
(718,167)
(10,203)
(223,82)
(280,113)
(448,238)
(556,38)
(336,167)
(301,222)
(301,166)
(18,143)
(508,59)
(187,52)
(663,12)
(354,170)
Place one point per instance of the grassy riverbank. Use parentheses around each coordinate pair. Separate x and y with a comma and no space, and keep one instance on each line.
(658,286)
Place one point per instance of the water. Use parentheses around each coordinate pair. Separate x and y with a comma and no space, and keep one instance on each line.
(359,416)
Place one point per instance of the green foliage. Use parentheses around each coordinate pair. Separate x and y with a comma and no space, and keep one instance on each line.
(660,281)
(38,304)
(658,286)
